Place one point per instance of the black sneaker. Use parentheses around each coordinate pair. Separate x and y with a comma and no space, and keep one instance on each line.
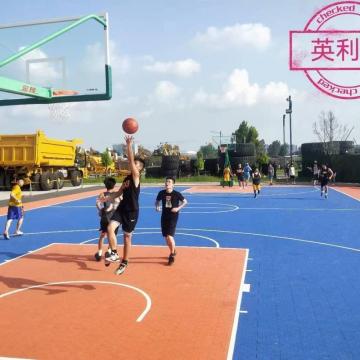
(6,236)
(171,259)
(97,257)
(121,268)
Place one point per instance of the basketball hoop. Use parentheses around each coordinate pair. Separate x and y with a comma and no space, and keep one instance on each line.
(60,112)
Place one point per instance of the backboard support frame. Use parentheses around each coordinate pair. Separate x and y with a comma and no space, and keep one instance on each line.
(42,95)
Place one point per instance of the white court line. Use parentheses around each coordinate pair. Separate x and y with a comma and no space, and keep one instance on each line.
(341,192)
(299,209)
(59,231)
(220,231)
(267,236)
(87,241)
(217,245)
(143,293)
(230,208)
(179,233)
(20,256)
(237,310)
(12,358)
(57,203)
(248,194)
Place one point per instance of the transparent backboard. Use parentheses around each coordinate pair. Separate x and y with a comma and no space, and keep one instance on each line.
(63,60)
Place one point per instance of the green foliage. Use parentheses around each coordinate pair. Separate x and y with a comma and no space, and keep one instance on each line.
(260,147)
(208,151)
(284,150)
(274,148)
(106,159)
(252,135)
(242,132)
(262,160)
(199,163)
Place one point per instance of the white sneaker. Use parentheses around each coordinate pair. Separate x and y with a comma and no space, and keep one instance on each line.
(112,257)
(19,233)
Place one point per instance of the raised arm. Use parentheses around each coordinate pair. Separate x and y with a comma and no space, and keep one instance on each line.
(131,158)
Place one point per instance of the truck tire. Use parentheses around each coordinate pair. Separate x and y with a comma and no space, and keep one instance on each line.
(76,178)
(46,181)
(2,179)
(35,182)
(59,180)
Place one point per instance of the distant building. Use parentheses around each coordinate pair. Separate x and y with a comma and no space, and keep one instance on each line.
(119,149)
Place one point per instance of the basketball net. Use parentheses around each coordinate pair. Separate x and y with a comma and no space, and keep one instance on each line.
(60,112)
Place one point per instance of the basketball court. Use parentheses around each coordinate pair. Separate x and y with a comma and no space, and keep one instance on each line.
(275,277)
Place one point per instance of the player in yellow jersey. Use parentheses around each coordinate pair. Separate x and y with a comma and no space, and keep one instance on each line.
(15,209)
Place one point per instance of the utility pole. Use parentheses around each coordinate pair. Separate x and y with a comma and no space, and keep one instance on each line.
(284,116)
(289,111)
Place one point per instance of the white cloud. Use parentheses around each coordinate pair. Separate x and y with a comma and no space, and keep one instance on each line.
(183,68)
(166,91)
(239,91)
(42,71)
(238,36)
(146,114)
(94,59)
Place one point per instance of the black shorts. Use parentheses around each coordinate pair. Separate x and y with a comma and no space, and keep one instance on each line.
(241,178)
(104,222)
(127,219)
(324,181)
(168,225)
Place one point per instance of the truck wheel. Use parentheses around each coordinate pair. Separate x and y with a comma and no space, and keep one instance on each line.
(46,181)
(59,180)
(76,178)
(35,182)
(2,179)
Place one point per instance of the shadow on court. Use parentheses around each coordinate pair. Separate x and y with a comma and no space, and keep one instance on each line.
(21,283)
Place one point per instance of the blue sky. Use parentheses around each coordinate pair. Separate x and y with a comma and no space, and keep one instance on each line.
(181,80)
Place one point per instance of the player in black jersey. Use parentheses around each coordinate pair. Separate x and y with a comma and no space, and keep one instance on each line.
(325,176)
(127,212)
(172,202)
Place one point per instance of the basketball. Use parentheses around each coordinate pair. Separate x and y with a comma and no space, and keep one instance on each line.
(130,126)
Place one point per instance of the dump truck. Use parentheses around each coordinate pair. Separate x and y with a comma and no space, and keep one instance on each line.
(40,161)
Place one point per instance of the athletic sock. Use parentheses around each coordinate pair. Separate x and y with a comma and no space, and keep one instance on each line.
(100,252)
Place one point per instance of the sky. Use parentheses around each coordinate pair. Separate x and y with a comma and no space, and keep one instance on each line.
(186,70)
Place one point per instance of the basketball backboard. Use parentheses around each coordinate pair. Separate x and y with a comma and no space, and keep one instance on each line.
(56,60)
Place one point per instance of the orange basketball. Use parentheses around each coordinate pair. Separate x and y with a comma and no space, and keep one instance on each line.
(130,126)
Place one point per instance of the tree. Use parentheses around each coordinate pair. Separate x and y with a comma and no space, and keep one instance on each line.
(274,148)
(252,135)
(284,150)
(242,132)
(328,130)
(106,160)
(208,151)
(199,163)
(143,153)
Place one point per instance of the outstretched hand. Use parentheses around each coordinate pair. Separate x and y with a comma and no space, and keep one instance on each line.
(129,139)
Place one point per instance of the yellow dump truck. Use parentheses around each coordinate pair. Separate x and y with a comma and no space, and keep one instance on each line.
(45,163)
